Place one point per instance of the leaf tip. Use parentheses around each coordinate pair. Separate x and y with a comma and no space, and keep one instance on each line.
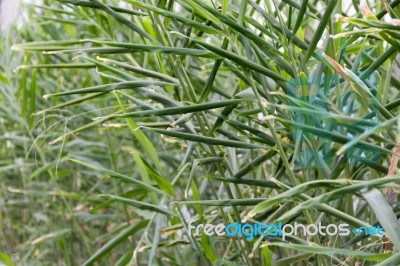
(395,22)
(339,17)
(365,10)
(335,64)
(102,59)
(15,48)
(56,140)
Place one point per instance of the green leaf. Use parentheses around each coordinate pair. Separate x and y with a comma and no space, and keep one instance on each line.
(319,31)
(393,260)
(121,18)
(111,87)
(177,17)
(203,139)
(92,5)
(329,252)
(116,240)
(4,258)
(140,205)
(185,109)
(335,194)
(267,256)
(225,202)
(141,137)
(120,177)
(162,182)
(385,215)
(208,250)
(296,191)
(156,49)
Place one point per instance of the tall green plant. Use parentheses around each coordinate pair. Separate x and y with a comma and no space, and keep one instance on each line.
(135,117)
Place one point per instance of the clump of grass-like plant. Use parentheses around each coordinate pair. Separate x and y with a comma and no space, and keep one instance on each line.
(124,120)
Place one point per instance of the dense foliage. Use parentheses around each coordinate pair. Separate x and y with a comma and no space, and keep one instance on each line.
(121,121)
